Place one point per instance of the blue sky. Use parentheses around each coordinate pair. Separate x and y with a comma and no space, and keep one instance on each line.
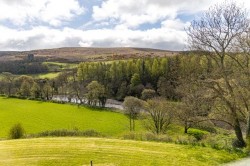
(39,24)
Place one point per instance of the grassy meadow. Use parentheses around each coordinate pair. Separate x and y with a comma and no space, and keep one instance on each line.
(107,152)
(47,75)
(57,66)
(37,116)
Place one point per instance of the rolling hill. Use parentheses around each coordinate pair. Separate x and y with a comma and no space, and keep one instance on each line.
(78,54)
(107,152)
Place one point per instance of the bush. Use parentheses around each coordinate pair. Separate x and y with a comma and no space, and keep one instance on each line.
(219,141)
(148,94)
(198,134)
(237,144)
(16,131)
(131,136)
(206,127)
(248,145)
(166,139)
(65,132)
(148,136)
(186,140)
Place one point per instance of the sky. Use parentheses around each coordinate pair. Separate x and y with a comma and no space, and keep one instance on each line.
(40,24)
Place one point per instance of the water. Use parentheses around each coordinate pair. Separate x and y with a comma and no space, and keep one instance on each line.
(109,104)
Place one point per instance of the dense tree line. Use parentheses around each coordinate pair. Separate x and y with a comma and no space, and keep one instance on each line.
(26,87)
(23,67)
(131,77)
(141,78)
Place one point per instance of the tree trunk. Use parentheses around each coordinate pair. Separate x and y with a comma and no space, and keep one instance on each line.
(186,128)
(130,122)
(239,134)
(248,130)
(9,90)
(133,124)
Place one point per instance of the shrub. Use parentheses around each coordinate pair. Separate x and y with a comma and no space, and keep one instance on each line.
(130,136)
(90,133)
(151,136)
(65,132)
(148,94)
(184,140)
(218,141)
(16,131)
(181,141)
(165,139)
(208,128)
(198,134)
(248,145)
(237,144)
(147,136)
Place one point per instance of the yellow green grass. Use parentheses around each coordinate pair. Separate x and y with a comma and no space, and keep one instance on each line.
(36,116)
(47,75)
(1,76)
(59,66)
(108,152)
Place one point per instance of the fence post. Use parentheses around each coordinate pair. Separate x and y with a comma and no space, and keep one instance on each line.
(91,163)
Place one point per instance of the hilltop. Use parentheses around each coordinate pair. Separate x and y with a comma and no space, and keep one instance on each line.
(77,54)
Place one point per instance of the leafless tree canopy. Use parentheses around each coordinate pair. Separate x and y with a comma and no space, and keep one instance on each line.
(218,28)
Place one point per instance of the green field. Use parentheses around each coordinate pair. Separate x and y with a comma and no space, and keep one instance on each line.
(108,152)
(47,75)
(36,116)
(57,66)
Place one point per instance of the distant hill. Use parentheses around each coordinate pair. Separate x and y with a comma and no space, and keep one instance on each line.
(77,54)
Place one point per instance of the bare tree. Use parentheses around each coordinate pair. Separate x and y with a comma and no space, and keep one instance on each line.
(132,107)
(243,75)
(160,114)
(196,104)
(216,34)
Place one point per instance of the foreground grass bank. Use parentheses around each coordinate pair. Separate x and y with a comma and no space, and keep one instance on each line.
(80,151)
(38,116)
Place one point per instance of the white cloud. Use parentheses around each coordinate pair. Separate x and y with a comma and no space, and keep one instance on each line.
(175,24)
(53,12)
(133,13)
(122,19)
(45,37)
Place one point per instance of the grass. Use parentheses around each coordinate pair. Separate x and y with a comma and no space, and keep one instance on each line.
(36,116)
(47,75)
(108,152)
(57,66)
(1,76)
